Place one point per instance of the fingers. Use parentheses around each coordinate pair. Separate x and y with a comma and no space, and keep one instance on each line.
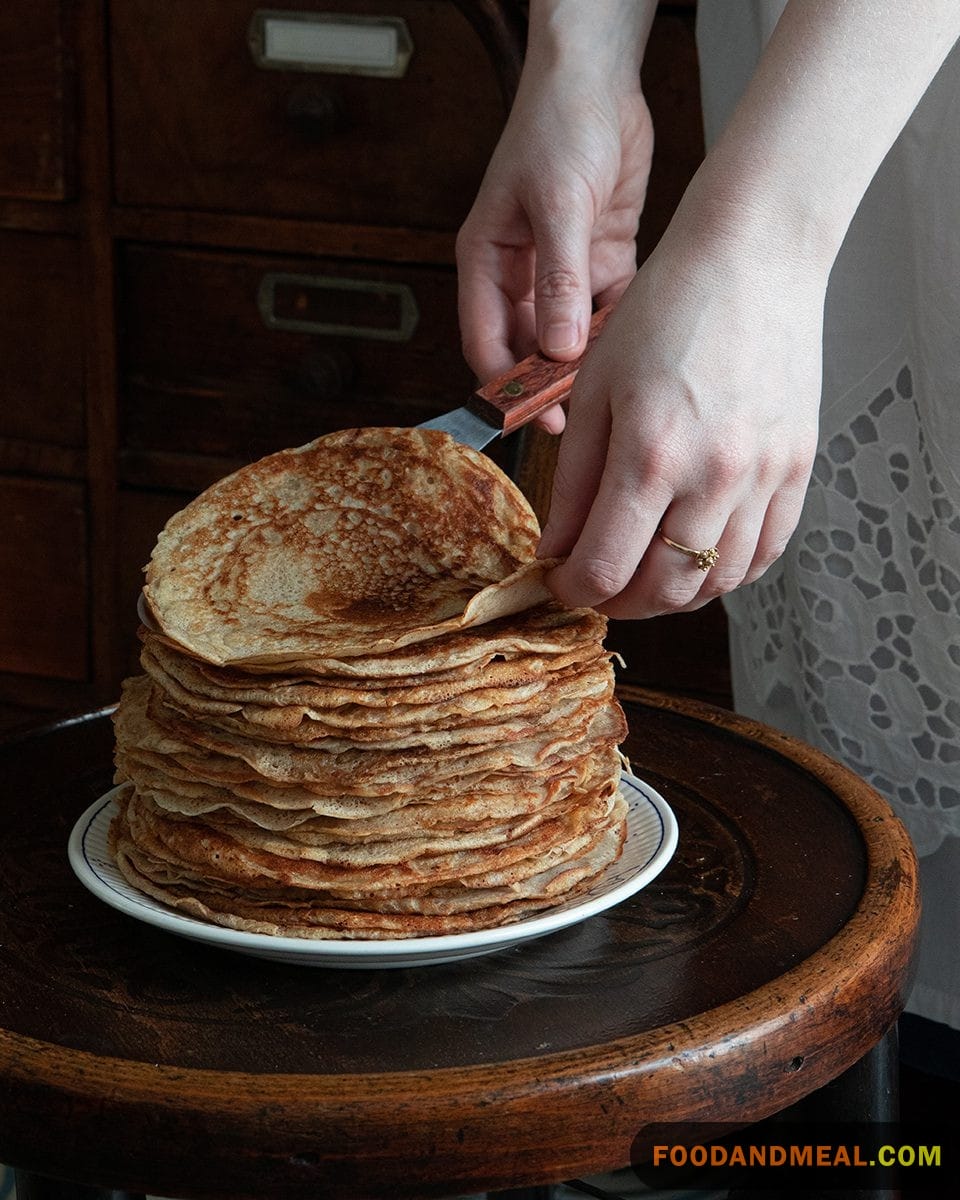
(488,319)
(553,420)
(579,470)
(619,553)
(677,577)
(605,540)
(562,295)
(669,579)
(514,298)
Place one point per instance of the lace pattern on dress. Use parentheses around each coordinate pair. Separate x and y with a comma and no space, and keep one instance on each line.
(873,574)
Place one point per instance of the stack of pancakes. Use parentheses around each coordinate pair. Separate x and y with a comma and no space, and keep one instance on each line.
(362,715)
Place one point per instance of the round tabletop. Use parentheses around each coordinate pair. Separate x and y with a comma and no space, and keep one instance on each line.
(770,955)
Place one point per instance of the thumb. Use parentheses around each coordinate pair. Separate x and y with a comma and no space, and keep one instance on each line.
(576,480)
(562,281)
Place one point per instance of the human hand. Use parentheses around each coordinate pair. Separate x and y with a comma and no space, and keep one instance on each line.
(695,414)
(555,220)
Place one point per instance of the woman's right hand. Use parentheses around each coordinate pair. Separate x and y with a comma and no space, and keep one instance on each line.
(694,416)
(554,223)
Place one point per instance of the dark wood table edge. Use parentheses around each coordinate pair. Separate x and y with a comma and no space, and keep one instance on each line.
(453,1117)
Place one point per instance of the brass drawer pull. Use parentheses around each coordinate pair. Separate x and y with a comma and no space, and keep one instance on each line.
(319,304)
(337,43)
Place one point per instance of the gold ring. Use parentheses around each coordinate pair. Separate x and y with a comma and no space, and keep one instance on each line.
(705,559)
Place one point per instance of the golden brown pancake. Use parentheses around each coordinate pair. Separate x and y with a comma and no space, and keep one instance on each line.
(359,542)
(361,714)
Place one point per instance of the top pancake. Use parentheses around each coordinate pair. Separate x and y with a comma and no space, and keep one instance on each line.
(360,542)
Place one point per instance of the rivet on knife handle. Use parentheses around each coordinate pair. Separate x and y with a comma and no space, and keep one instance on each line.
(522,393)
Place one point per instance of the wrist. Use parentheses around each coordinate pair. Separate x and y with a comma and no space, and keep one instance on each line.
(604,40)
(746,202)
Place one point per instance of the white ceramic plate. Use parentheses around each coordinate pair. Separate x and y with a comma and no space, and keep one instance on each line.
(651,841)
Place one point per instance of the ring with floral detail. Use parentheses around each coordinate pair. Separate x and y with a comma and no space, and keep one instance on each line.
(704,559)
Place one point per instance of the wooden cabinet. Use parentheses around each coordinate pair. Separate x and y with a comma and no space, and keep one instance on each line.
(44,629)
(45,614)
(226,228)
(238,125)
(236,354)
(42,347)
(36,100)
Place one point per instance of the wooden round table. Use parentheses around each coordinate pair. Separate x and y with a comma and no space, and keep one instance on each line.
(770,956)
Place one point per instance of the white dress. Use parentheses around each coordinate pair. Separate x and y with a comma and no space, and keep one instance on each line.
(852,640)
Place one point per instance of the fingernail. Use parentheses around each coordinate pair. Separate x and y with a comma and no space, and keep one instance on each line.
(560,336)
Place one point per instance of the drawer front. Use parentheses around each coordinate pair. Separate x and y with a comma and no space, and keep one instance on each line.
(292,137)
(36,101)
(43,565)
(233,355)
(41,390)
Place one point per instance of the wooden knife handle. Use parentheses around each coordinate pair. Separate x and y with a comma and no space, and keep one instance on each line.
(535,383)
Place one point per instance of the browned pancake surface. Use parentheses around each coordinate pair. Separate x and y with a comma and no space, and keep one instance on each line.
(362,715)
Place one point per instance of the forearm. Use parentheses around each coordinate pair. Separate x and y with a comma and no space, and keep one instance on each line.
(605,38)
(554,224)
(834,87)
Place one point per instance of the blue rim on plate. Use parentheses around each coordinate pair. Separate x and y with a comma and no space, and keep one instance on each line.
(650,844)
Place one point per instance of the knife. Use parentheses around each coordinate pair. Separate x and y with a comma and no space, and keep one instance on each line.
(516,397)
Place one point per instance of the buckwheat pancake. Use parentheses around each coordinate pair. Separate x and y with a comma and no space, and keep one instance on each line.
(361,713)
(494,898)
(235,853)
(545,629)
(303,917)
(470,718)
(336,780)
(337,765)
(230,690)
(359,542)
(469,811)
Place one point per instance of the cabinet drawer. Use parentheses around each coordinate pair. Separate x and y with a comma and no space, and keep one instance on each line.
(43,565)
(35,100)
(41,391)
(236,355)
(199,123)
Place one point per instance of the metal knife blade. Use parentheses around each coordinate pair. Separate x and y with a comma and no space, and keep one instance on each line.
(516,397)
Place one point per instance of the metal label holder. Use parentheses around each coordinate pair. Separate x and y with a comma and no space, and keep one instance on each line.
(330,43)
(408,313)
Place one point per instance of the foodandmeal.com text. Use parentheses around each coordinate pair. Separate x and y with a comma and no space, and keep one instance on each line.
(716,1155)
